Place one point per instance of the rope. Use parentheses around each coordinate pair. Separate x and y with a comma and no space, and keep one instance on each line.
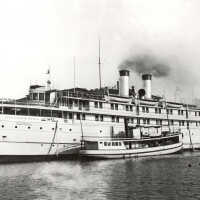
(53,139)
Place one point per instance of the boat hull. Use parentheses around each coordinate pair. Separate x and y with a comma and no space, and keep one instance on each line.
(12,152)
(143,152)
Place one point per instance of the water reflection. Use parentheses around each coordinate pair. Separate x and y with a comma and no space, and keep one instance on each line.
(166,177)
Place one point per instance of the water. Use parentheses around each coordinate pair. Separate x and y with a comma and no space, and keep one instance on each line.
(167,177)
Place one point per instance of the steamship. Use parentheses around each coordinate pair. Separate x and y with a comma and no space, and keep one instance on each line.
(50,123)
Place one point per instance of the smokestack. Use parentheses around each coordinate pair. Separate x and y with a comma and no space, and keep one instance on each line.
(124,83)
(118,85)
(147,84)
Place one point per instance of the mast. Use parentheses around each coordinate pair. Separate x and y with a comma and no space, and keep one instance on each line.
(167,116)
(99,64)
(74,62)
(48,73)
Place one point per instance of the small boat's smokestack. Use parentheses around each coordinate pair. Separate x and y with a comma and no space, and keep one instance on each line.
(124,83)
(147,85)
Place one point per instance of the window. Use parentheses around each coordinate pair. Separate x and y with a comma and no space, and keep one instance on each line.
(101,117)
(117,119)
(181,112)
(41,96)
(127,108)
(156,110)
(112,106)
(159,110)
(131,108)
(56,113)
(105,143)
(70,116)
(171,111)
(132,120)
(148,121)
(46,113)
(96,118)
(100,105)
(78,116)
(147,109)
(83,116)
(34,112)
(21,111)
(96,104)
(113,118)
(9,110)
(116,106)
(143,109)
(35,96)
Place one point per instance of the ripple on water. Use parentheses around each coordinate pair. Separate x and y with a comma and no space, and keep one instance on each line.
(166,177)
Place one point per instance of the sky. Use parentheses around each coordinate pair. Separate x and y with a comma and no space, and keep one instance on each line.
(37,34)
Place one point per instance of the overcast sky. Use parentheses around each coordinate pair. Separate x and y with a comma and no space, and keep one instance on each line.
(35,34)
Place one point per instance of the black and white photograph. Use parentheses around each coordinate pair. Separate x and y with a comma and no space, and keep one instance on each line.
(99,99)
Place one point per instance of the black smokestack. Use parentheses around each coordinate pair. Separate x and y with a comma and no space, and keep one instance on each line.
(147,64)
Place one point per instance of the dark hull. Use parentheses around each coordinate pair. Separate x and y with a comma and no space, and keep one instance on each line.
(8,159)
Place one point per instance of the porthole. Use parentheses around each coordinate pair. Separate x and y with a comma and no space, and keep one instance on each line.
(2,126)
(74,139)
(70,129)
(15,126)
(100,131)
(29,127)
(40,128)
(52,129)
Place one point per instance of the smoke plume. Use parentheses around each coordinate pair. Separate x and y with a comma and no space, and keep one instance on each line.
(147,64)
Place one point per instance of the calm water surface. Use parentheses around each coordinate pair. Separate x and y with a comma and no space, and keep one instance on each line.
(166,177)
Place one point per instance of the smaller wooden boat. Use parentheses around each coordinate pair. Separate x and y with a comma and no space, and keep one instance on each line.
(104,148)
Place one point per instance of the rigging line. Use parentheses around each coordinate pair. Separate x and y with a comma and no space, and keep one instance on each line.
(99,64)
(53,139)
(188,127)
(167,116)
(81,132)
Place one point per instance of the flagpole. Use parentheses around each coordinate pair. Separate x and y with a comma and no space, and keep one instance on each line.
(99,64)
(74,62)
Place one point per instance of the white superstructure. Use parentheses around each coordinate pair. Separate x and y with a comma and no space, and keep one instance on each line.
(50,123)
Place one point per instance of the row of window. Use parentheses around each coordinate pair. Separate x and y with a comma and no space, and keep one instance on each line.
(111,143)
(98,104)
(114,106)
(41,128)
(38,96)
